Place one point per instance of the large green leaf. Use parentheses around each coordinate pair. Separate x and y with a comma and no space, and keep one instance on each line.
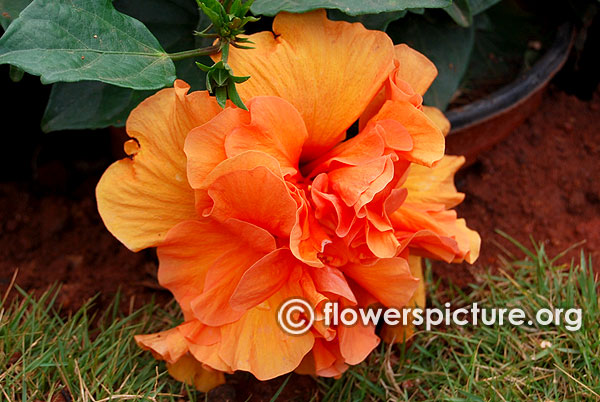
(463,11)
(75,40)
(350,7)
(479,6)
(460,11)
(172,22)
(89,104)
(10,10)
(370,21)
(446,44)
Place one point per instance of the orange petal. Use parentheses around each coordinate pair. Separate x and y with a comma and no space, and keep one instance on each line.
(350,182)
(276,128)
(209,356)
(428,140)
(435,184)
(332,280)
(199,334)
(383,244)
(410,79)
(245,161)
(192,372)
(468,236)
(256,343)
(307,238)
(437,231)
(429,244)
(205,145)
(212,306)
(389,280)
(394,134)
(357,341)
(436,116)
(324,360)
(356,151)
(329,71)
(263,279)
(140,198)
(328,359)
(185,260)
(256,196)
(416,269)
(414,68)
(167,345)
(400,332)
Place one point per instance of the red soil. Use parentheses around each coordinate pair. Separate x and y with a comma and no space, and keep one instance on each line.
(542,181)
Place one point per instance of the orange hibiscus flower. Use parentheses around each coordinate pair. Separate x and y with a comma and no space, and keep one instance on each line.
(250,208)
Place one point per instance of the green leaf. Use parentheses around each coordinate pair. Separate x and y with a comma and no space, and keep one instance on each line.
(172,22)
(75,40)
(370,21)
(479,6)
(89,104)
(460,11)
(350,7)
(10,10)
(445,44)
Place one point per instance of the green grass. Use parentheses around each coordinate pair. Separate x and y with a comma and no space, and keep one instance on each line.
(496,363)
(94,358)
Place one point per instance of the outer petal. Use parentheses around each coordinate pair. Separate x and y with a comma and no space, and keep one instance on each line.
(192,372)
(332,280)
(257,344)
(142,197)
(172,346)
(389,280)
(329,70)
(435,184)
(410,79)
(324,360)
(436,116)
(400,333)
(414,68)
(357,342)
(212,306)
(264,279)
(167,345)
(192,247)
(428,140)
(435,232)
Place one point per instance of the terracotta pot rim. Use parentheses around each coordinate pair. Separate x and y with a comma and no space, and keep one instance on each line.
(520,89)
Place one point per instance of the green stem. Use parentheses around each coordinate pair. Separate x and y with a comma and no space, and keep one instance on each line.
(225,52)
(205,51)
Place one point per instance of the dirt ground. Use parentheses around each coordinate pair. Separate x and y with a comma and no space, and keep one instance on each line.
(542,181)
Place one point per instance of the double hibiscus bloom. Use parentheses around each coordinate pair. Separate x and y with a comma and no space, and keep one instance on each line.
(250,208)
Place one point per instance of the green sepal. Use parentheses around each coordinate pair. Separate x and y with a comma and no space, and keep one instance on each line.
(234,96)
(221,95)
